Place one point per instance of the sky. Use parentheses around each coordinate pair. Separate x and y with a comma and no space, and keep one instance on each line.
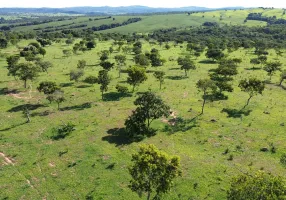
(150,3)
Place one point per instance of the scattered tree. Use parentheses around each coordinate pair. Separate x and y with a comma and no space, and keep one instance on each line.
(272,67)
(186,64)
(282,77)
(153,172)
(160,76)
(120,60)
(208,87)
(76,74)
(27,71)
(252,86)
(104,80)
(136,76)
(81,64)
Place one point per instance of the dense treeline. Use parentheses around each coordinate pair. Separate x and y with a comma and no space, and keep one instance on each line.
(269,20)
(114,25)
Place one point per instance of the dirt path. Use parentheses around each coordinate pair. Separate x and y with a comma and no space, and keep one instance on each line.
(7,161)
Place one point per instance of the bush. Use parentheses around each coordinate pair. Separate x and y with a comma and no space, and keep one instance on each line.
(62,131)
(121,89)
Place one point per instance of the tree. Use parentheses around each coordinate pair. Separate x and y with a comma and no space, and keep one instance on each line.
(150,107)
(3,43)
(208,87)
(90,45)
(104,80)
(91,80)
(259,186)
(153,172)
(120,60)
(42,51)
(254,61)
(12,67)
(252,86)
(69,41)
(186,64)
(142,60)
(44,65)
(104,55)
(81,64)
(27,71)
(47,87)
(76,74)
(136,75)
(121,89)
(67,52)
(106,65)
(282,77)
(58,97)
(214,54)
(160,76)
(272,67)
(262,59)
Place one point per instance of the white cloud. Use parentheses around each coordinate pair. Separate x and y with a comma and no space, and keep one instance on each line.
(152,3)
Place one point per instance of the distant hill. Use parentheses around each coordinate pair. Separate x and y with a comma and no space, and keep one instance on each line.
(108,10)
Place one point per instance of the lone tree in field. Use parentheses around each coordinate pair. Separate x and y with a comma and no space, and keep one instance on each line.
(254,62)
(214,54)
(259,186)
(150,107)
(27,71)
(208,87)
(153,172)
(136,76)
(76,74)
(186,64)
(58,97)
(160,76)
(272,67)
(81,64)
(120,60)
(47,87)
(252,86)
(282,77)
(104,80)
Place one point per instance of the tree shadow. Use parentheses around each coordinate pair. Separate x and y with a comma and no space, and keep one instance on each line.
(5,91)
(41,114)
(283,87)
(66,84)
(253,68)
(176,77)
(234,113)
(117,136)
(77,107)
(13,126)
(180,124)
(175,68)
(26,106)
(83,86)
(115,96)
(207,62)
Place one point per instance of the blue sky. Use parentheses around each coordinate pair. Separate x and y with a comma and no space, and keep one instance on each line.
(151,3)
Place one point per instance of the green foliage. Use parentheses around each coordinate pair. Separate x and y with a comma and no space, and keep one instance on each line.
(67,52)
(106,65)
(81,64)
(153,172)
(91,80)
(104,80)
(259,186)
(57,96)
(208,87)
(42,51)
(150,107)
(186,64)
(252,86)
(44,65)
(121,89)
(282,76)
(27,71)
(76,74)
(142,60)
(12,64)
(136,76)
(215,54)
(47,87)
(63,131)
(283,160)
(90,45)
(160,76)
(272,67)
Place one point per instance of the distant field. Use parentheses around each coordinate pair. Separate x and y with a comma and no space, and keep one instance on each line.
(150,23)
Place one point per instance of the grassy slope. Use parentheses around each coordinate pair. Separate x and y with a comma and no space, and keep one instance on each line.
(37,158)
(154,22)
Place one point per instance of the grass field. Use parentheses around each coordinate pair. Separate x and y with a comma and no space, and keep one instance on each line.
(93,160)
(150,23)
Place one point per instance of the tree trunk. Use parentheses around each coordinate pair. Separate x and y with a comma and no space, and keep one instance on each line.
(186,73)
(25,83)
(102,95)
(133,88)
(28,117)
(204,102)
(149,195)
(248,100)
(160,85)
(281,81)
(58,106)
